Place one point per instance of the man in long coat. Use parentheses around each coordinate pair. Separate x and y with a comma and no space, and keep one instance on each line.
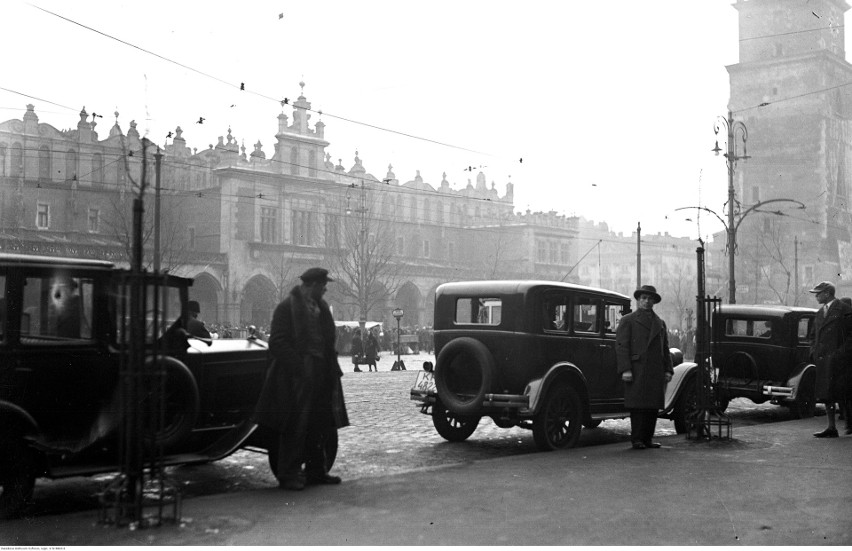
(645,365)
(302,401)
(831,340)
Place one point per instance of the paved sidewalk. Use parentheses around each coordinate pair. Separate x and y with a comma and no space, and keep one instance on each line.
(773,484)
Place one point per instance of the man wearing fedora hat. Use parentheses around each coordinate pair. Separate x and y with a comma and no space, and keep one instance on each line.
(302,398)
(831,340)
(645,365)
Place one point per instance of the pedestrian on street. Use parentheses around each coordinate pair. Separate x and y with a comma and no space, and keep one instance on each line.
(357,350)
(302,399)
(831,339)
(371,351)
(645,365)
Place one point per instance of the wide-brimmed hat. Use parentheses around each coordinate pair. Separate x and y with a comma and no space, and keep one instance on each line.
(647,290)
(193,306)
(823,286)
(315,274)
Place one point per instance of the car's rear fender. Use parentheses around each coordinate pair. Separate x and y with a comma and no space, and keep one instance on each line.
(798,375)
(537,389)
(675,387)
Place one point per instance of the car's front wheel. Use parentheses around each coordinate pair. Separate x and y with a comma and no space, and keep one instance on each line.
(557,426)
(17,476)
(452,427)
(686,406)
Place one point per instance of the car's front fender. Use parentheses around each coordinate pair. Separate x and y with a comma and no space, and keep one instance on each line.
(676,386)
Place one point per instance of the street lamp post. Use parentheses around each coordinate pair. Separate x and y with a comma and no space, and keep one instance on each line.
(733,225)
(399,365)
(731,157)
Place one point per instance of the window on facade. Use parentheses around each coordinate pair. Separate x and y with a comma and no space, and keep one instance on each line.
(268,222)
(43,216)
(302,223)
(564,253)
(97,169)
(451,251)
(414,213)
(554,251)
(439,207)
(426,252)
(477,212)
(294,160)
(427,210)
(43,163)
(16,167)
(312,163)
(2,159)
(70,165)
(541,250)
(400,245)
(94,220)
(332,231)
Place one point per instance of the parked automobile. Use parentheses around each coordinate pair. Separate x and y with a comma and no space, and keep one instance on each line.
(762,353)
(534,354)
(62,330)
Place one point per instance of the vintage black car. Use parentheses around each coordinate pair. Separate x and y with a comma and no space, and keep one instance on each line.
(761,352)
(534,354)
(60,354)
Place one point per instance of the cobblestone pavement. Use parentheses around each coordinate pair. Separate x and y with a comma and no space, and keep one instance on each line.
(388,435)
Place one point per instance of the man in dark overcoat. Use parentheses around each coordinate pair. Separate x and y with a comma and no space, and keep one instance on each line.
(302,400)
(831,339)
(645,365)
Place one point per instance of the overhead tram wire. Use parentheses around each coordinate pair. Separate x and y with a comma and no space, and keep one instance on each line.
(241,87)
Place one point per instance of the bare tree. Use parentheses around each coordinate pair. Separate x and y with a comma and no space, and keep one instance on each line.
(496,252)
(365,259)
(776,269)
(680,284)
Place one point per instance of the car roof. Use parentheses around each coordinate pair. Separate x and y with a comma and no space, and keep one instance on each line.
(11,259)
(513,286)
(769,310)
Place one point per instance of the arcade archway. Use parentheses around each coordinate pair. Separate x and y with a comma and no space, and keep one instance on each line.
(258,301)
(205,289)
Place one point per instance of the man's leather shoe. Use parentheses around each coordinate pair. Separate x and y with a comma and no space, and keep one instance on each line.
(295,484)
(323,478)
(827,433)
(653,445)
(639,446)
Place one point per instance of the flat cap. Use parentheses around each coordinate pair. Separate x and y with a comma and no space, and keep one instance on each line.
(315,274)
(823,286)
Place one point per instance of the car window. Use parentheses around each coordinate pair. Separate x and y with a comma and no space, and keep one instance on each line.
(612,315)
(556,312)
(167,313)
(748,328)
(480,311)
(804,329)
(585,315)
(58,307)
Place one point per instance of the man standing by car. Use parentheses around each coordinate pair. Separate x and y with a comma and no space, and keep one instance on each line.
(831,339)
(645,365)
(302,399)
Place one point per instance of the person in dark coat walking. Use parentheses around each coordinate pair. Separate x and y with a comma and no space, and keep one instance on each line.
(831,339)
(302,399)
(645,365)
(371,350)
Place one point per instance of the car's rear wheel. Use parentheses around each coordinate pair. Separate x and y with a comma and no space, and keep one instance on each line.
(453,427)
(463,375)
(557,426)
(805,404)
(17,476)
(686,406)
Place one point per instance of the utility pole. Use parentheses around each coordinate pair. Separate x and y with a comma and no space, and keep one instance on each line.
(795,270)
(638,254)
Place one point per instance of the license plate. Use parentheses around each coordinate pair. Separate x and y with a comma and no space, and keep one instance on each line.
(425,383)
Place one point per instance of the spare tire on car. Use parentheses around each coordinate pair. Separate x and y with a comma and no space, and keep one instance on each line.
(464,373)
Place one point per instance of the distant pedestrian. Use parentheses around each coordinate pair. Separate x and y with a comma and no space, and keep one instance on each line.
(831,339)
(302,399)
(371,351)
(357,350)
(645,365)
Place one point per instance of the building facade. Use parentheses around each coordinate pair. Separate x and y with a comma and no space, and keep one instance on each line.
(244,225)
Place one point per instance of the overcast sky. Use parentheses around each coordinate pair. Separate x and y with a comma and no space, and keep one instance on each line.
(610,104)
